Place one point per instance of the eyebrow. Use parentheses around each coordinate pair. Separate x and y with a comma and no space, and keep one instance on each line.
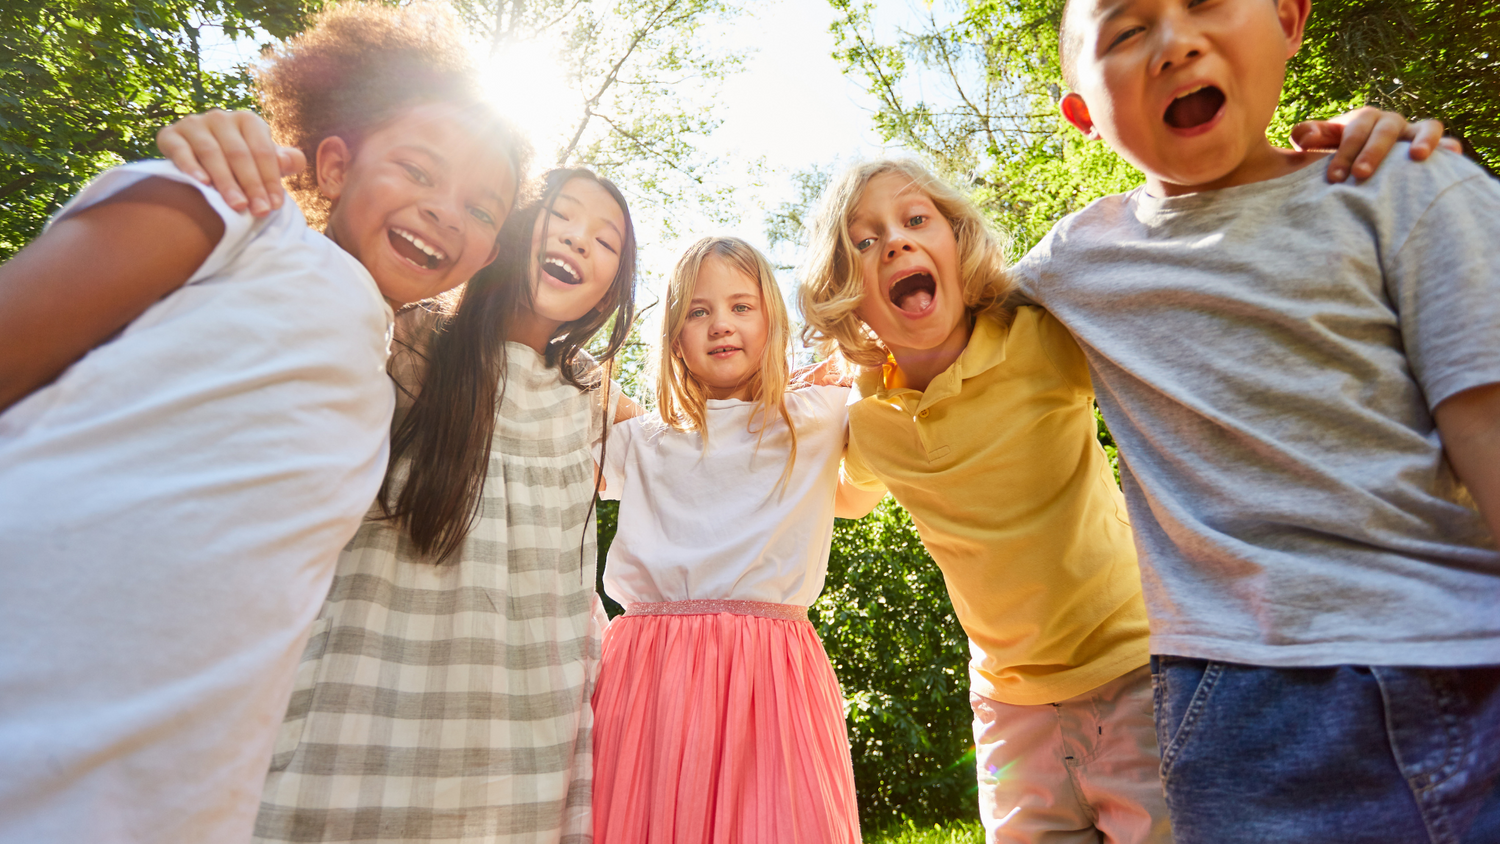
(576,201)
(696,299)
(1112,11)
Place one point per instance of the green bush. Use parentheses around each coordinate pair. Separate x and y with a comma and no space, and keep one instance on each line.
(902,658)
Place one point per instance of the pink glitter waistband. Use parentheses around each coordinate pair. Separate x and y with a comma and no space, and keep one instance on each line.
(786,612)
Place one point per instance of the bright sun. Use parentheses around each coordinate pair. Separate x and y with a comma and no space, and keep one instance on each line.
(524,82)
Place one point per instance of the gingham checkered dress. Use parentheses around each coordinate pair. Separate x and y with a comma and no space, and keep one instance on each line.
(450,703)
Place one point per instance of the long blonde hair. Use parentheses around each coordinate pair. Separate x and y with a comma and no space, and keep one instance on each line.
(680,398)
(832,284)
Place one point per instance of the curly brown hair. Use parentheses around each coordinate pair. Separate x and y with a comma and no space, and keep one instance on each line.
(360,65)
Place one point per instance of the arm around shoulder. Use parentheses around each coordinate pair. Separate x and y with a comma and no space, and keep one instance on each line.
(1469,424)
(92,273)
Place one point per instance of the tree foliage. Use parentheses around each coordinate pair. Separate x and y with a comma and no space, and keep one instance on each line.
(85,84)
(642,78)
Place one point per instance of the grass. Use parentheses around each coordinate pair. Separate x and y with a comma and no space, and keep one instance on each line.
(955,832)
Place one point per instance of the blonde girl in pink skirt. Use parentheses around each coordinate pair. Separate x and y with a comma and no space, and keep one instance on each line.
(717,715)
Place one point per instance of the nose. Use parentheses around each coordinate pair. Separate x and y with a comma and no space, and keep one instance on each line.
(444,209)
(573,237)
(720,326)
(896,243)
(1178,42)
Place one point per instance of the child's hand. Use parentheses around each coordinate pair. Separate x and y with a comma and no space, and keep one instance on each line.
(233,151)
(1369,134)
(827,373)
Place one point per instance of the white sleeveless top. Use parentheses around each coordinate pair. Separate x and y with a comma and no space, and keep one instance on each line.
(698,525)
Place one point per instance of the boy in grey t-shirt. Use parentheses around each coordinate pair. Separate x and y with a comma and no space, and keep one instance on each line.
(1304,379)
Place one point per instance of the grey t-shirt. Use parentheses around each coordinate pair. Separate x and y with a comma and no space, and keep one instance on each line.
(1268,357)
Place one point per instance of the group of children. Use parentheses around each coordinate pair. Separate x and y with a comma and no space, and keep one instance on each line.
(1303,374)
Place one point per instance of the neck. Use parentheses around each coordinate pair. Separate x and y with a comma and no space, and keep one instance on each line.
(742,392)
(533,331)
(1264,162)
(915,368)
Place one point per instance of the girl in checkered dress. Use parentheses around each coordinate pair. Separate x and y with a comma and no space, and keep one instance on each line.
(444,694)
(719,718)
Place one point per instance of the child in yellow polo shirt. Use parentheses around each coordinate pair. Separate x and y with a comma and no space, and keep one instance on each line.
(980,421)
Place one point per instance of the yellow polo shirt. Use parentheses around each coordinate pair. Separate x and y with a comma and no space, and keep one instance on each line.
(998,464)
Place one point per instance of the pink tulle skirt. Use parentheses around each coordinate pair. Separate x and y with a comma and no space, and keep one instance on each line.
(719,721)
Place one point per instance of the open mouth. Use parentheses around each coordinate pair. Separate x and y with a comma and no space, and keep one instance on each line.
(722,351)
(913,294)
(560,271)
(415,249)
(1194,108)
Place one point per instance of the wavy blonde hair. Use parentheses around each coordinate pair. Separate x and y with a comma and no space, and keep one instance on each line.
(680,398)
(832,284)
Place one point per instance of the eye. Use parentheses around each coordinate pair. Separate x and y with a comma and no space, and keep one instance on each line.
(417,174)
(695,313)
(742,308)
(916,221)
(483,216)
(862,245)
(558,214)
(1123,36)
(606,245)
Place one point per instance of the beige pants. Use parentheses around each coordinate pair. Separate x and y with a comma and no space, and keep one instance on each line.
(1083,770)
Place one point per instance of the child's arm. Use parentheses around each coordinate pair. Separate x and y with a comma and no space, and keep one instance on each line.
(93,272)
(234,152)
(1469,424)
(851,502)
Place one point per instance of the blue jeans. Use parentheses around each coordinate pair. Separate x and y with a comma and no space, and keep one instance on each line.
(1344,754)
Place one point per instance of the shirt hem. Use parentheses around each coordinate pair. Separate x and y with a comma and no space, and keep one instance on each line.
(1076,682)
(1424,655)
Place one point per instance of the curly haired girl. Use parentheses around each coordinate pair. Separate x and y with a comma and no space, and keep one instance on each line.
(194,414)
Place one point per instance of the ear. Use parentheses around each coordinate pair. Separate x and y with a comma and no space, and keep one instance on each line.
(1076,112)
(332,163)
(1293,16)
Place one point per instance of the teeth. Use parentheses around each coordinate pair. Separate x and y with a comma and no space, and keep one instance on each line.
(432,251)
(1190,91)
(564,265)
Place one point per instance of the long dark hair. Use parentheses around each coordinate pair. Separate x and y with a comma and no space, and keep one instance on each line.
(446,435)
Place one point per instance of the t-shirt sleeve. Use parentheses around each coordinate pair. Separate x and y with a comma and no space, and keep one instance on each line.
(239,227)
(1445,281)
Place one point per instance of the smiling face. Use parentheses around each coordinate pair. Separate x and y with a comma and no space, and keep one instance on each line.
(1183,89)
(419,203)
(723,339)
(575,248)
(908,258)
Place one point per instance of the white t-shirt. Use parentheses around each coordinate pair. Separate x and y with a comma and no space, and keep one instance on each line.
(718,525)
(171,508)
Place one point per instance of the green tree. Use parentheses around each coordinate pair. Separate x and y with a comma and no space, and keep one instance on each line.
(85,85)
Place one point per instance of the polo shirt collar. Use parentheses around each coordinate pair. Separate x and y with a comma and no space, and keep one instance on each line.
(985,351)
